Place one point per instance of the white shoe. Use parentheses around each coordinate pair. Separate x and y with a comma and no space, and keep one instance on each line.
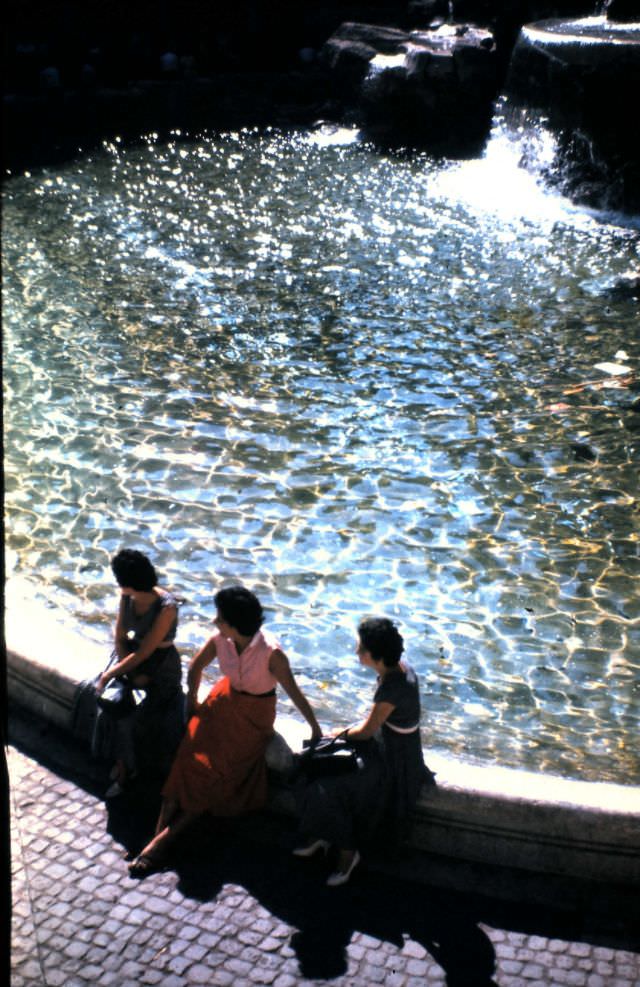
(342,876)
(308,851)
(114,790)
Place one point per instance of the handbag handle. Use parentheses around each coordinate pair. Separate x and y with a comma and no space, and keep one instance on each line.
(310,744)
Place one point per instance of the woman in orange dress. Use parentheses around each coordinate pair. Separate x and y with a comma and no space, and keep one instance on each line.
(220,766)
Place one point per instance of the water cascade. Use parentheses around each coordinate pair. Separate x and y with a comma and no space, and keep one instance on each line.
(435,88)
(581,80)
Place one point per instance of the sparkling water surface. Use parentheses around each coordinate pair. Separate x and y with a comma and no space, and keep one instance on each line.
(357,383)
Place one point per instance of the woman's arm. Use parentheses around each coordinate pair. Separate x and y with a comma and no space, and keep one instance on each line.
(281,671)
(198,663)
(120,633)
(378,714)
(157,633)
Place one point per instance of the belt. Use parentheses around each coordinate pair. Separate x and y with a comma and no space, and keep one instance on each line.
(256,695)
(396,729)
(135,644)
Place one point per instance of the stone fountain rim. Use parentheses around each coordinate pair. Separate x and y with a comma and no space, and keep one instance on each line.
(34,634)
(618,34)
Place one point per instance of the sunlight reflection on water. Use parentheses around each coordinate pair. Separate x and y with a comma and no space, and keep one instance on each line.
(356,382)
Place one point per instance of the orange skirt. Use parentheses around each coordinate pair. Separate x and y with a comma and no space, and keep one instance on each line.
(220,765)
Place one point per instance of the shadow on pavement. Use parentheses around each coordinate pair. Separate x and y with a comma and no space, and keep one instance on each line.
(326,918)
(255,854)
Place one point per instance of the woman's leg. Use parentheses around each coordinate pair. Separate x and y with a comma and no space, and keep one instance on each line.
(156,849)
(124,760)
(158,730)
(326,812)
(119,772)
(125,747)
(168,810)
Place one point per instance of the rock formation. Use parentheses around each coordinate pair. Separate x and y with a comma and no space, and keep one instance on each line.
(421,73)
(432,88)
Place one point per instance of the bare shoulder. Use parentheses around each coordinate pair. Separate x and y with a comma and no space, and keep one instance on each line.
(206,653)
(168,600)
(278,661)
(211,645)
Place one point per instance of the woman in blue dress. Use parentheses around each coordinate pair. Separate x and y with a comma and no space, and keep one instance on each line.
(354,810)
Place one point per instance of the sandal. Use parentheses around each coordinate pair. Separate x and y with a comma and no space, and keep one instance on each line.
(145,864)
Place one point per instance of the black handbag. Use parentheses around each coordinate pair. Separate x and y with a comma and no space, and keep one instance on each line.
(329,757)
(117,698)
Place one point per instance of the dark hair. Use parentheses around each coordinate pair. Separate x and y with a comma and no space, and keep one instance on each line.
(240,608)
(382,639)
(133,569)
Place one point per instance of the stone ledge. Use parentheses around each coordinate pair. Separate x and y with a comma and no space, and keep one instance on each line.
(541,826)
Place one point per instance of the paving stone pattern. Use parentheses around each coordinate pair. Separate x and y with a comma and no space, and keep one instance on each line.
(235,909)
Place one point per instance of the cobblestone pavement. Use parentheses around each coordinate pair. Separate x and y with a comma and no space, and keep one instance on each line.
(236,909)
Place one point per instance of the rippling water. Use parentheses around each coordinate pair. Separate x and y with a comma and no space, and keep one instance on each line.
(357,383)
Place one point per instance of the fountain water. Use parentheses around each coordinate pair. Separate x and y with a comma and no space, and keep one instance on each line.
(583,78)
(353,381)
(435,87)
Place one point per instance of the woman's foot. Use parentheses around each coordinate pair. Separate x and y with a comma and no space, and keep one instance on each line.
(146,863)
(118,779)
(310,848)
(114,789)
(348,860)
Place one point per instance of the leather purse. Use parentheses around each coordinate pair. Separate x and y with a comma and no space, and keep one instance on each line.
(329,757)
(117,698)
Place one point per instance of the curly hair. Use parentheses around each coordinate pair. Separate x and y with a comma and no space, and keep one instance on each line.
(133,569)
(382,639)
(240,608)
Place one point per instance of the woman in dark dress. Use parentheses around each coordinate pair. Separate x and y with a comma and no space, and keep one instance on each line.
(352,811)
(145,740)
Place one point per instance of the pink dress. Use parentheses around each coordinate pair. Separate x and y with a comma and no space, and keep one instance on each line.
(220,766)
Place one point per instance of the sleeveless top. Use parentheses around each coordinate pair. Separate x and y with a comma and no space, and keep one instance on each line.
(163,665)
(137,626)
(248,672)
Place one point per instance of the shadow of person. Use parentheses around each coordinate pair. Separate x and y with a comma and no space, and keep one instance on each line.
(221,853)
(255,853)
(132,816)
(321,951)
(463,950)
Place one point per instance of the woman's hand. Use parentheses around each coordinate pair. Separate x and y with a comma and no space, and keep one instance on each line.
(281,671)
(363,731)
(337,732)
(198,663)
(102,683)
